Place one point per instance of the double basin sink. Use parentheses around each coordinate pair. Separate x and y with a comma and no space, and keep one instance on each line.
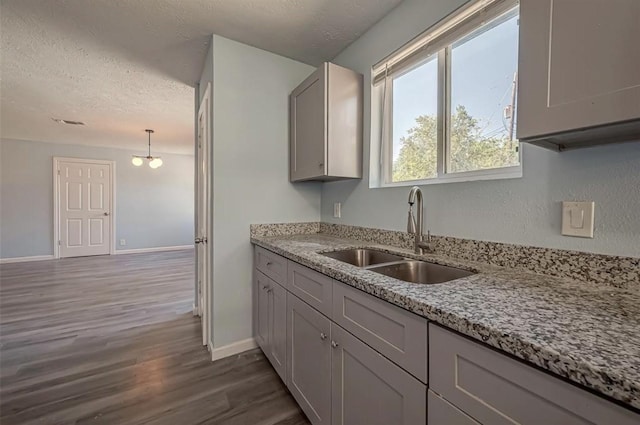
(398,267)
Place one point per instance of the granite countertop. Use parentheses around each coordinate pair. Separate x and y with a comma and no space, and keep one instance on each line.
(587,333)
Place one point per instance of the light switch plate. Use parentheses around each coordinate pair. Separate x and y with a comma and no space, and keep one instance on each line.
(577,219)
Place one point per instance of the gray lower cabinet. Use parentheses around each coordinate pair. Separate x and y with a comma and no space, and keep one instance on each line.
(398,334)
(441,412)
(310,286)
(351,359)
(309,359)
(278,330)
(261,310)
(493,388)
(271,321)
(368,389)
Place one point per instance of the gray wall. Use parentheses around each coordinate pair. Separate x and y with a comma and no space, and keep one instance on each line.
(154,208)
(250,172)
(521,211)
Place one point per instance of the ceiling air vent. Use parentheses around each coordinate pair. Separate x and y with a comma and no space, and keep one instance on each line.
(60,121)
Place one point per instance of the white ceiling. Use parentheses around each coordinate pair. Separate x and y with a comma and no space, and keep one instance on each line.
(122,66)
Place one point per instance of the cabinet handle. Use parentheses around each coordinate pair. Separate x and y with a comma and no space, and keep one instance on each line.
(334,344)
(269,263)
(323,336)
(265,287)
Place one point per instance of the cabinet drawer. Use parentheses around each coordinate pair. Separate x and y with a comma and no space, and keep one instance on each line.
(441,412)
(398,334)
(496,389)
(311,287)
(272,265)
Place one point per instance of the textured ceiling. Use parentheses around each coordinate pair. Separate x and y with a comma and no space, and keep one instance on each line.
(125,65)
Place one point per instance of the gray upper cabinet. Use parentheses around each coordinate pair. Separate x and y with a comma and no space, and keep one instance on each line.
(579,72)
(493,388)
(368,389)
(326,125)
(309,360)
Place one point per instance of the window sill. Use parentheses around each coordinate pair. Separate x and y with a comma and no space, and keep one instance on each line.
(469,176)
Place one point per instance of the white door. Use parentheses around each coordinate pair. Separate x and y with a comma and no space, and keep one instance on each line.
(84,202)
(203,276)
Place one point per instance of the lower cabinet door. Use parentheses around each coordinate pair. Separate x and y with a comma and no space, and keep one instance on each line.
(309,359)
(441,412)
(368,389)
(261,310)
(278,329)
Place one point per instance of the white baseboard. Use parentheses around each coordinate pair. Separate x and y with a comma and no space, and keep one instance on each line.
(232,349)
(25,259)
(154,249)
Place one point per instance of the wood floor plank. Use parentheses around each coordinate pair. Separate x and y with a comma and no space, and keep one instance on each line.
(112,340)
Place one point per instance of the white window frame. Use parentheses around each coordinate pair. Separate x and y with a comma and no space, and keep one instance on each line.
(382,163)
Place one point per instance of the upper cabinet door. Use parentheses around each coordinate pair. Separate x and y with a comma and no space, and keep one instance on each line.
(308,127)
(326,125)
(579,65)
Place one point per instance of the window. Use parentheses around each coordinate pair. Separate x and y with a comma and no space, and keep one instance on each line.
(449,99)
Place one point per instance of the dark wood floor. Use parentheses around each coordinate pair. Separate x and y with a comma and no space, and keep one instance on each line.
(112,340)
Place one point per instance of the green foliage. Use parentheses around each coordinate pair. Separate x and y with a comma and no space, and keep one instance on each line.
(470,150)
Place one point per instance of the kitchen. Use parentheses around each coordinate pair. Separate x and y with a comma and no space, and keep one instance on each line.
(405,212)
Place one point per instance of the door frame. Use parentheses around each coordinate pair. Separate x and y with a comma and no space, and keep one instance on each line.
(56,200)
(205,311)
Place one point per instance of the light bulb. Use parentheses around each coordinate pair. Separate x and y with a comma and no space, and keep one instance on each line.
(136,161)
(155,163)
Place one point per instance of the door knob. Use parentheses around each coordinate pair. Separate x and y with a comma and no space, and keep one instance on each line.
(323,336)
(106,213)
(334,344)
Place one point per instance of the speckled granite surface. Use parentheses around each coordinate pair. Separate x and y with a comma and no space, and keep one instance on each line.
(585,332)
(621,272)
(281,229)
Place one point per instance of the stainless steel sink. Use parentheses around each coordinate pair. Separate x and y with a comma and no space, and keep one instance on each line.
(421,272)
(363,257)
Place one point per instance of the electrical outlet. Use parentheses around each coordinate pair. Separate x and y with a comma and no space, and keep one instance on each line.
(337,210)
(123,242)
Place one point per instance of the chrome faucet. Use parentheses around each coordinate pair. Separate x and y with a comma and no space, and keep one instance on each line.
(421,244)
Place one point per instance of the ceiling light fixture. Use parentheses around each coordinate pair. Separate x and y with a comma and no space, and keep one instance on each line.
(154,162)
(61,121)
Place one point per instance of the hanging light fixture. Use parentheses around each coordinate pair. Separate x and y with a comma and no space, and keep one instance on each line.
(154,162)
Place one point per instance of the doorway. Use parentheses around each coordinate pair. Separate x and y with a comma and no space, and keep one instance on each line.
(84,207)
(203,219)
